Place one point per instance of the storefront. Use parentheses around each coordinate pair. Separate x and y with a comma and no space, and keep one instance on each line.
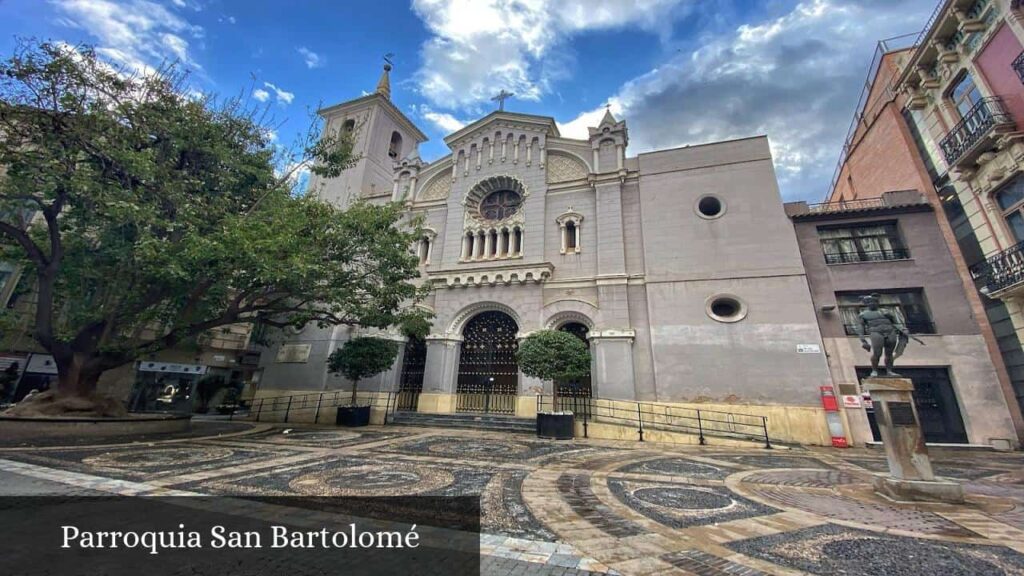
(165,386)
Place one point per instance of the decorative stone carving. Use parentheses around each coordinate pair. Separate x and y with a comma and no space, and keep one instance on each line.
(437,189)
(562,168)
(492,276)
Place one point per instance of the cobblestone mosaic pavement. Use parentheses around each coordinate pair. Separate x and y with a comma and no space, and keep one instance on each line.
(588,507)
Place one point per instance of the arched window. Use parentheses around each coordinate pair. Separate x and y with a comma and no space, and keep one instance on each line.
(569,227)
(348,127)
(395,148)
(1011,202)
(425,250)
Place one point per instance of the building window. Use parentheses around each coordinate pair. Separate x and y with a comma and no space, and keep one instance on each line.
(395,147)
(965,95)
(569,223)
(726,308)
(709,207)
(348,127)
(500,205)
(906,306)
(1018,66)
(874,242)
(1011,201)
(425,249)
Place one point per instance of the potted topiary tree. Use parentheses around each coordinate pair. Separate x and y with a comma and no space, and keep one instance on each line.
(357,359)
(554,355)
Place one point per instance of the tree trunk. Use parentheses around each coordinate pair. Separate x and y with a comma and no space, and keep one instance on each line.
(355,384)
(79,370)
(76,376)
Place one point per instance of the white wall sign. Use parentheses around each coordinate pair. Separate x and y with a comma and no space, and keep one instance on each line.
(171,367)
(851,401)
(808,349)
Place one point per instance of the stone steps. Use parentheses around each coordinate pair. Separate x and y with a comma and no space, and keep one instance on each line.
(494,422)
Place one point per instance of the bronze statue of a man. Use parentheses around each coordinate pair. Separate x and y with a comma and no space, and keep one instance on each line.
(880,332)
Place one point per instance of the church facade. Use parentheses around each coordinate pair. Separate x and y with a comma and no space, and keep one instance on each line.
(679,268)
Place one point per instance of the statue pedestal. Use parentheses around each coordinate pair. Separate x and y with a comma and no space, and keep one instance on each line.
(910,470)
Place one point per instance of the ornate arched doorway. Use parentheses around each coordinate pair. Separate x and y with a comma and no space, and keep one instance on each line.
(577,388)
(413,363)
(488,372)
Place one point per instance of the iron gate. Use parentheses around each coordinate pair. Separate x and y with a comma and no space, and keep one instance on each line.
(575,392)
(488,373)
(413,363)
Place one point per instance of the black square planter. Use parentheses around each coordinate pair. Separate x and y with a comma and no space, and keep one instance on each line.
(353,416)
(555,426)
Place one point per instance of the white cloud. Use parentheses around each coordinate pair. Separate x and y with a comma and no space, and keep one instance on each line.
(442,120)
(481,46)
(261,94)
(283,96)
(312,59)
(139,34)
(577,127)
(795,77)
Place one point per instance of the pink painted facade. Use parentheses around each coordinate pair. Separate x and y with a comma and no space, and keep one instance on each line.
(994,64)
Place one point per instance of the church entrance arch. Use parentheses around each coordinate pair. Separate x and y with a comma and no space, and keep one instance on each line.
(414,362)
(488,372)
(576,388)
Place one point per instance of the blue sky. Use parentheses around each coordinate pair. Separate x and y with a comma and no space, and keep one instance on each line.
(679,71)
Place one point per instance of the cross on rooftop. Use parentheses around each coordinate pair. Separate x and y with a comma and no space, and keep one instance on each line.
(501,97)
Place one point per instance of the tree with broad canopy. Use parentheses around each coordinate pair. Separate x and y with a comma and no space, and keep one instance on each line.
(360,358)
(553,355)
(147,216)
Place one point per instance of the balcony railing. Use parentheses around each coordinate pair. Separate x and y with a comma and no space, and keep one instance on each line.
(1002,270)
(830,207)
(1018,66)
(976,124)
(867,256)
(912,327)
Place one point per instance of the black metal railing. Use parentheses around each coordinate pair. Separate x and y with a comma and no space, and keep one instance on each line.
(867,256)
(1018,66)
(1002,270)
(269,408)
(646,416)
(911,327)
(979,121)
(829,207)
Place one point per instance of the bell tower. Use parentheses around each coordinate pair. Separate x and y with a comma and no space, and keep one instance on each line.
(383,136)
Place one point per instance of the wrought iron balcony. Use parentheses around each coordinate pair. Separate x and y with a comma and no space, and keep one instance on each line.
(1018,66)
(968,138)
(1002,272)
(867,256)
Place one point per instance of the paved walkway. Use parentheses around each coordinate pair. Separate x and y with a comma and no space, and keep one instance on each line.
(588,507)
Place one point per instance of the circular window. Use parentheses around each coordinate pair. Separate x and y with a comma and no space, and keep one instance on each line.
(500,205)
(710,207)
(726,308)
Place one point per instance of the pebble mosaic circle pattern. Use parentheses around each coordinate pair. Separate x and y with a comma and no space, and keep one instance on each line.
(158,457)
(315,436)
(676,467)
(475,447)
(836,550)
(390,479)
(681,506)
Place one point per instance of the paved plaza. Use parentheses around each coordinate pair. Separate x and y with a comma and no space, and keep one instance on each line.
(587,507)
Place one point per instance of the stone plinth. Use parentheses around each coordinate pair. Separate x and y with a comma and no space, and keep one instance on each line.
(910,470)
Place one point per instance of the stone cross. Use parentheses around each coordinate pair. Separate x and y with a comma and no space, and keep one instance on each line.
(500,98)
